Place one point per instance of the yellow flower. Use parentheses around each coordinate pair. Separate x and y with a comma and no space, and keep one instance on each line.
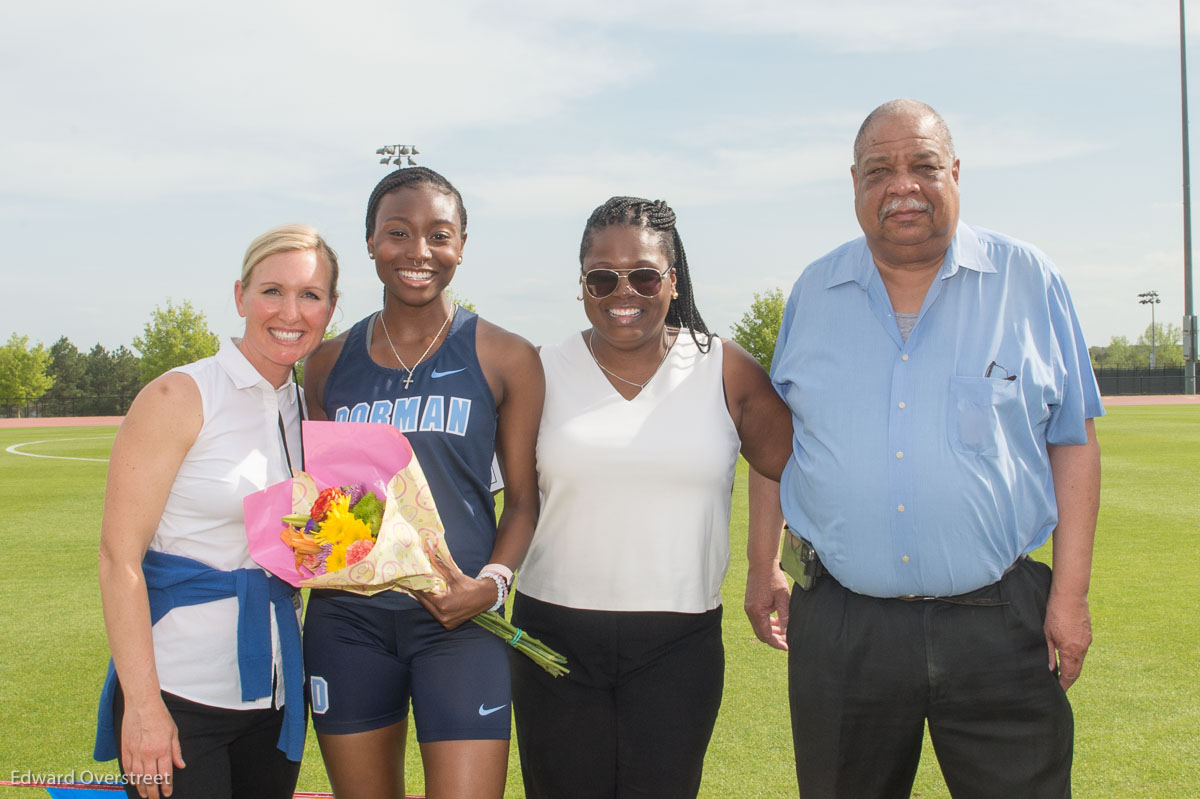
(341,529)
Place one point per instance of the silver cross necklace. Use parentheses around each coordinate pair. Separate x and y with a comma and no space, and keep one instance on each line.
(409,379)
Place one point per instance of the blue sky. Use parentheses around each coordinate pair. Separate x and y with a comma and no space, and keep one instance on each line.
(145,145)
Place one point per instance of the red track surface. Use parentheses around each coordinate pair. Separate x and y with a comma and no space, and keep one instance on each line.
(92,786)
(1162,399)
(63,421)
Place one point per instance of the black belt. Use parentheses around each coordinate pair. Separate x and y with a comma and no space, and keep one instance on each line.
(961,599)
(957,599)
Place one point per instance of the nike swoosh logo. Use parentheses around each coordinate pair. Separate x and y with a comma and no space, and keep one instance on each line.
(487,711)
(436,374)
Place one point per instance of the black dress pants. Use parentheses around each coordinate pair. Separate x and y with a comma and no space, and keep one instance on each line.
(230,754)
(866,674)
(633,718)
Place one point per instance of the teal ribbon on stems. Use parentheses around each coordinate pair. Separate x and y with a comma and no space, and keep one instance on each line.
(553,663)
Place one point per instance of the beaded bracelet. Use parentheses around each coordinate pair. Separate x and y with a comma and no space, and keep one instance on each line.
(499,568)
(501,588)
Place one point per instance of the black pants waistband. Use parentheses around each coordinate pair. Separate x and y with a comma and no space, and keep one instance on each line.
(966,598)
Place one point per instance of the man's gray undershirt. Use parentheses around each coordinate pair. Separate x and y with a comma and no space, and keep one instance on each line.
(906,322)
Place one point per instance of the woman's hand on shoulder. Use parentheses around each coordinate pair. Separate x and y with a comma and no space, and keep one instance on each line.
(317,366)
(763,421)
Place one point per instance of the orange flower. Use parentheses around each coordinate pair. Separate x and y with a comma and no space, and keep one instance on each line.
(321,506)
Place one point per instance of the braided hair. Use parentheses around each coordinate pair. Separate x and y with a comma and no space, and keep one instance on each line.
(405,178)
(657,216)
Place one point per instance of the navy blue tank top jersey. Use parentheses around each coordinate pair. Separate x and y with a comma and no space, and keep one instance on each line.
(448,414)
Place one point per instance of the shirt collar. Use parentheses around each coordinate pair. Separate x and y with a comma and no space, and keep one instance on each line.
(966,252)
(240,370)
(858,265)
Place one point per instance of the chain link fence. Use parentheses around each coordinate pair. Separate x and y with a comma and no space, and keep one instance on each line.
(1140,380)
(1113,382)
(25,408)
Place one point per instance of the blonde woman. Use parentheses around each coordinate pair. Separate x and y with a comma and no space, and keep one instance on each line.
(206,698)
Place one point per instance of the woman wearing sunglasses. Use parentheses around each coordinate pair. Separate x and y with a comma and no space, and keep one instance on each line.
(644,416)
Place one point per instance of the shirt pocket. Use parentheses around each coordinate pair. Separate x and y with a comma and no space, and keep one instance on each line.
(980,407)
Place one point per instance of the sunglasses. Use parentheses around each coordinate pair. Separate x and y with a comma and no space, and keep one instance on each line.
(645,281)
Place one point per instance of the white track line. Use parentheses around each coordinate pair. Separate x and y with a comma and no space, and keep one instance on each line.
(13,449)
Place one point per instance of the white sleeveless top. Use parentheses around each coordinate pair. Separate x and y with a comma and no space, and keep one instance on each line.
(237,452)
(635,493)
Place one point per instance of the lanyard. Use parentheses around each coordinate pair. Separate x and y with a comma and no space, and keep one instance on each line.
(283,433)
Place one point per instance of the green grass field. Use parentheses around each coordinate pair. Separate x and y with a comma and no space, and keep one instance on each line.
(1137,705)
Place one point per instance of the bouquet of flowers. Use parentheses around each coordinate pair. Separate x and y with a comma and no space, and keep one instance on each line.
(339,530)
(362,519)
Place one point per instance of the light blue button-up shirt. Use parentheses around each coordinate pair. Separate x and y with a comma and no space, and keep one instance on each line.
(915,469)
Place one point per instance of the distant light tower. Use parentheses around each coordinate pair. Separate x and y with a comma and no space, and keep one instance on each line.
(397,154)
(1190,322)
(1150,298)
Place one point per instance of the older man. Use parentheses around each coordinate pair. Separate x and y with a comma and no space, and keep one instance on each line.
(943,401)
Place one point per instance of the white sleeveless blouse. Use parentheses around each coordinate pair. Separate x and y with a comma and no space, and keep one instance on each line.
(635,493)
(237,452)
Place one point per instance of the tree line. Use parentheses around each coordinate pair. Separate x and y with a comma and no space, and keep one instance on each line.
(759,327)
(1120,354)
(103,382)
(64,381)
(100,382)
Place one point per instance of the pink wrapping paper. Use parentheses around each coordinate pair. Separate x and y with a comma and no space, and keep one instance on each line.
(345,453)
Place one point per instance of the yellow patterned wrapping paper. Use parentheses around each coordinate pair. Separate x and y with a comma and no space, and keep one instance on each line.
(400,558)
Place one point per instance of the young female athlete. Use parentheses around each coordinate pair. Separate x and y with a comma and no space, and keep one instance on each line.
(459,388)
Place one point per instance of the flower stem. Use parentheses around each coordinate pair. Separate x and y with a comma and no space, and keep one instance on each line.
(552,662)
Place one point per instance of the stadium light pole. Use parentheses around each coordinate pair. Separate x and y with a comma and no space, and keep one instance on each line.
(1189,317)
(1150,298)
(397,154)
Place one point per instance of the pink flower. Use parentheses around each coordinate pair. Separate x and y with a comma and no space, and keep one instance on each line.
(315,563)
(358,550)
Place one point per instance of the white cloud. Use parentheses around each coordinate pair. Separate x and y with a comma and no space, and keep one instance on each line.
(274,108)
(993,142)
(571,186)
(747,158)
(881,25)
(135,99)
(1105,294)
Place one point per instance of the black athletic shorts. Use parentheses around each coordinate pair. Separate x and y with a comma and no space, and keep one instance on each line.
(363,664)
